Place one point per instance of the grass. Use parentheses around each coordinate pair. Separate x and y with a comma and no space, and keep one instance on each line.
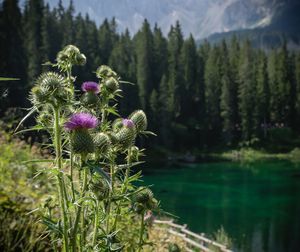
(250,154)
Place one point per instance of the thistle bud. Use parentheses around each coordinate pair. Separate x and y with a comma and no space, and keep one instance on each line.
(117,124)
(82,142)
(113,138)
(90,99)
(71,54)
(111,84)
(144,196)
(99,187)
(51,88)
(125,137)
(102,142)
(140,120)
(104,72)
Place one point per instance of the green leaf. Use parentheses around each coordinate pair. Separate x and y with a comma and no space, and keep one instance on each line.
(99,170)
(55,227)
(8,79)
(125,166)
(38,161)
(148,133)
(25,117)
(127,82)
(35,128)
(112,111)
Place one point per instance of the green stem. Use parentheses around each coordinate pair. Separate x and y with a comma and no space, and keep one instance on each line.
(141,232)
(62,194)
(71,175)
(95,225)
(109,199)
(124,185)
(79,209)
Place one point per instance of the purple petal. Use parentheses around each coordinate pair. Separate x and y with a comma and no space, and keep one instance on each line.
(81,121)
(90,86)
(128,123)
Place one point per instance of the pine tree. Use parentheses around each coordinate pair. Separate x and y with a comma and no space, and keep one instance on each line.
(12,55)
(227,103)
(247,92)
(144,59)
(160,56)
(67,25)
(33,40)
(213,93)
(174,74)
(262,93)
(123,61)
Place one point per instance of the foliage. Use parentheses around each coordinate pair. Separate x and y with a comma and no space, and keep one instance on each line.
(19,194)
(222,94)
(97,207)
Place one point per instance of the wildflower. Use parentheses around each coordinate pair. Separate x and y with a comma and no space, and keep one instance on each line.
(91,90)
(126,135)
(90,86)
(81,121)
(81,140)
(128,123)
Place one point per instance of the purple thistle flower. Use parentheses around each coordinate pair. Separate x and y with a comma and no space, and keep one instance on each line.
(90,86)
(128,123)
(81,121)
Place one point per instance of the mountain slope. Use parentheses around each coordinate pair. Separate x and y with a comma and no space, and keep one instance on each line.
(199,17)
(284,27)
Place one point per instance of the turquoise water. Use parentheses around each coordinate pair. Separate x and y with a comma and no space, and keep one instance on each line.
(257,204)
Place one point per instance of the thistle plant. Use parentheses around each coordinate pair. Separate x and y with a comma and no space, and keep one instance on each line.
(98,207)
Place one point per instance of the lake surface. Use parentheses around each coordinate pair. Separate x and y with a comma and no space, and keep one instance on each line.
(258,204)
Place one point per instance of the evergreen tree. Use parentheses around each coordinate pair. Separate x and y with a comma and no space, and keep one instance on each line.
(33,39)
(144,59)
(174,73)
(227,103)
(262,93)
(12,55)
(67,25)
(213,93)
(247,92)
(160,56)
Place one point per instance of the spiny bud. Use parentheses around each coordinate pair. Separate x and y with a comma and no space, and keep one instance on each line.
(99,187)
(102,142)
(50,87)
(113,138)
(104,72)
(111,84)
(117,124)
(90,99)
(125,137)
(143,196)
(82,142)
(71,54)
(140,120)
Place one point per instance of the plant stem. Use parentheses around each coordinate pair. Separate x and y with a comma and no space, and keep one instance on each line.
(79,209)
(62,195)
(124,185)
(71,175)
(109,199)
(95,224)
(141,232)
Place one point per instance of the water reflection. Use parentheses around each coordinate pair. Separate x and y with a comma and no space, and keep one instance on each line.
(257,204)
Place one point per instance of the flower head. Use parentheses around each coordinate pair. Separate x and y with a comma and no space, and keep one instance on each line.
(90,86)
(81,121)
(128,123)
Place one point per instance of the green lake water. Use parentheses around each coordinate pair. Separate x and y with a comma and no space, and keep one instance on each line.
(258,204)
